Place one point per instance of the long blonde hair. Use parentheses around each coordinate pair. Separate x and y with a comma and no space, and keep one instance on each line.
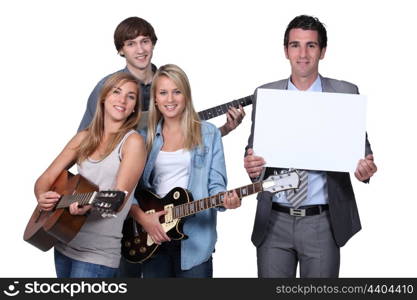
(95,131)
(190,121)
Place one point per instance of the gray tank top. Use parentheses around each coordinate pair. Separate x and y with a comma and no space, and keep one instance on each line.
(98,241)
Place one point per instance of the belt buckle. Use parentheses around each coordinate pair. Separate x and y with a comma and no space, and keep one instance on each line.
(296,212)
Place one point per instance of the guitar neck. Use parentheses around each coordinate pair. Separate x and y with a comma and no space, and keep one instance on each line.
(222,109)
(82,199)
(193,207)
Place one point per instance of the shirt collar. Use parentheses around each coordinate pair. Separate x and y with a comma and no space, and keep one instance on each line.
(154,69)
(159,127)
(315,87)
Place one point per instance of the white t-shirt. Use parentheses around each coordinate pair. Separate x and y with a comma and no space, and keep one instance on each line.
(172,169)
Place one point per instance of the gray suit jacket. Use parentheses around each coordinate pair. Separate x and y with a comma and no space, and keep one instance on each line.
(344,214)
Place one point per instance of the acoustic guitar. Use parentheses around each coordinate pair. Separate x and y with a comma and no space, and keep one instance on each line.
(45,228)
(138,246)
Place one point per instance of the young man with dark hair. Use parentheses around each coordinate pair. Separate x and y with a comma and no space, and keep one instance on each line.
(312,233)
(135,39)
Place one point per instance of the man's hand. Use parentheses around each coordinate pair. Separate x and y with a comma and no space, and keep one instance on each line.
(366,168)
(234,118)
(253,164)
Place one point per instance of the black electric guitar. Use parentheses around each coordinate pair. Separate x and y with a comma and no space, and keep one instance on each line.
(137,245)
(222,109)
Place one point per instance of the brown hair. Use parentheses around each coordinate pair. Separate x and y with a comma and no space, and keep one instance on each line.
(131,28)
(95,131)
(307,23)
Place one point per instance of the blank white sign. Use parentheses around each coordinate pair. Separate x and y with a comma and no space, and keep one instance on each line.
(310,130)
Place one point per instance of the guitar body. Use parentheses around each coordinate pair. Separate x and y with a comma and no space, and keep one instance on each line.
(137,246)
(46,227)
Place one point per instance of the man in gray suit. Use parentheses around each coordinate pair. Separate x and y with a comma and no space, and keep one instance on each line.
(328,216)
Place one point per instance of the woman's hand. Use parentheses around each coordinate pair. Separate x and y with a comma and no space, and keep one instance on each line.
(151,224)
(48,200)
(231,200)
(78,210)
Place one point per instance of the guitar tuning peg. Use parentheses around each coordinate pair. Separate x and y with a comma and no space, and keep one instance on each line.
(108,215)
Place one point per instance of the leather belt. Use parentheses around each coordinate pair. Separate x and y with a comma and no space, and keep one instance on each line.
(302,211)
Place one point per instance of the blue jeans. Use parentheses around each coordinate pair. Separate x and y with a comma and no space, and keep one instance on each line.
(71,268)
(128,269)
(167,263)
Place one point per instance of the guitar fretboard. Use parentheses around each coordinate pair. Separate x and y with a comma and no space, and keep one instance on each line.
(82,199)
(196,206)
(222,109)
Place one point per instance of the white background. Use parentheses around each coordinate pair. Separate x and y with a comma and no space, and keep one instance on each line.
(53,53)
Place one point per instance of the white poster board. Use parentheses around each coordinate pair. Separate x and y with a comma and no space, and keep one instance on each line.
(310,130)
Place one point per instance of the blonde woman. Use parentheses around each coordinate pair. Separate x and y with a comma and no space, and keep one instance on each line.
(182,152)
(110,154)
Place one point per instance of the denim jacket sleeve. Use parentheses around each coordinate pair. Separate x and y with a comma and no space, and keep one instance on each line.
(217,173)
(217,177)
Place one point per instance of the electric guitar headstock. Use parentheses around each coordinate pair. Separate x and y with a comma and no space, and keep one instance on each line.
(281,182)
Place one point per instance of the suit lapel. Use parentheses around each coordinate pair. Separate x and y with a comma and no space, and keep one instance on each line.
(326,86)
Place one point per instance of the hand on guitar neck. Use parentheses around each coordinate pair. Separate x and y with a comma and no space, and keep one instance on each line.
(234,118)
(76,209)
(231,200)
(48,200)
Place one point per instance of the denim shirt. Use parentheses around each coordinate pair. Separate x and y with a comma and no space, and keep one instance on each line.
(207,177)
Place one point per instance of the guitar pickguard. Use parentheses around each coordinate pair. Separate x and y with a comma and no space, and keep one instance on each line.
(167,225)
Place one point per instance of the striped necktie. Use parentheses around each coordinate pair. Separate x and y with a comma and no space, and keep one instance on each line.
(296,197)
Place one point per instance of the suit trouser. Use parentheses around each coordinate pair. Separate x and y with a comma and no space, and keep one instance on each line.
(305,240)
